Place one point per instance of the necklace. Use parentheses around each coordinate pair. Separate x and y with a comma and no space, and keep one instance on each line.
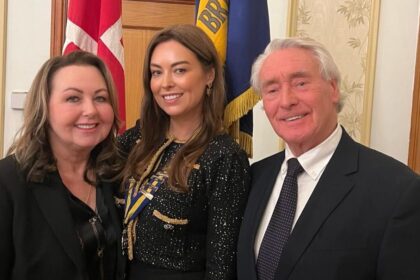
(95,209)
(88,195)
(183,141)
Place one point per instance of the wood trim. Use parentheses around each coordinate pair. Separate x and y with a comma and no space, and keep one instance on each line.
(58,26)
(414,147)
(156,18)
(3,23)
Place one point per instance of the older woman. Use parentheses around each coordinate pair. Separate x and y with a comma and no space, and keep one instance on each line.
(57,214)
(187,181)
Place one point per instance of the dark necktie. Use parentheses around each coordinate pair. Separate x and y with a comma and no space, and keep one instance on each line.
(280,225)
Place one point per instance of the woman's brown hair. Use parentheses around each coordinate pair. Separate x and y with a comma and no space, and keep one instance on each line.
(31,145)
(154,121)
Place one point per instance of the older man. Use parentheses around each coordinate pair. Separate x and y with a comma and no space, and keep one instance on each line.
(326,207)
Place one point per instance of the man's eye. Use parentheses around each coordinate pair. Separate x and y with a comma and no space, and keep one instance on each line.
(271,91)
(300,84)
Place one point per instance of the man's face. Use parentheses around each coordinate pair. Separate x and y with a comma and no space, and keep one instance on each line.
(299,103)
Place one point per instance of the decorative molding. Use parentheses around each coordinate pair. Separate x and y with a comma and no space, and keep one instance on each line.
(291,25)
(414,147)
(348,28)
(3,23)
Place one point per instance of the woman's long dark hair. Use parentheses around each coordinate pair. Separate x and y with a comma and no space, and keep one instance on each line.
(155,122)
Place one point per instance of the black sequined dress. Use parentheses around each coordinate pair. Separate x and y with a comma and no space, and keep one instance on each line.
(193,235)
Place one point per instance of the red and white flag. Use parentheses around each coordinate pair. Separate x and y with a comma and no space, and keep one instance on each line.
(95,26)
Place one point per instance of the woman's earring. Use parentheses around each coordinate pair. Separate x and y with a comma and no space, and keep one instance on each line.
(208,90)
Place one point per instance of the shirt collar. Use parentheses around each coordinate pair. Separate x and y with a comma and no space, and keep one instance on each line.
(316,159)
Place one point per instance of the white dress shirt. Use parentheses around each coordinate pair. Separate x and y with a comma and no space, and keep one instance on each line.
(313,162)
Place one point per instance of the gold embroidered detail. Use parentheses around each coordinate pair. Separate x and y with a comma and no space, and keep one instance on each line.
(135,186)
(168,220)
(146,194)
(154,162)
(130,240)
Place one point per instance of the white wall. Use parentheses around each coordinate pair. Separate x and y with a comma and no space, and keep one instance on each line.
(28,45)
(393,95)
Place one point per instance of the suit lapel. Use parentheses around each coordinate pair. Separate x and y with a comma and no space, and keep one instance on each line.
(265,184)
(330,191)
(262,186)
(52,201)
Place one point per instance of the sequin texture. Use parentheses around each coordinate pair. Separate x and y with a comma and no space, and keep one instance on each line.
(196,230)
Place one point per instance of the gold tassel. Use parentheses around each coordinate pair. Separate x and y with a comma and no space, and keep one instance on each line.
(240,106)
(234,131)
(234,111)
(245,141)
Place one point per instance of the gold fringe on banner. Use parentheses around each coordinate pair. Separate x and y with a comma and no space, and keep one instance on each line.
(237,108)
(240,106)
(245,141)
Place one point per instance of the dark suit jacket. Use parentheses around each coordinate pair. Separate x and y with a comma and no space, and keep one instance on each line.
(361,222)
(37,235)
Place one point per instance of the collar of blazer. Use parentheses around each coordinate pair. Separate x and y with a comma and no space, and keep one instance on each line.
(51,199)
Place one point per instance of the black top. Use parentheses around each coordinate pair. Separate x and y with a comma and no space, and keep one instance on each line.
(193,235)
(37,228)
(97,236)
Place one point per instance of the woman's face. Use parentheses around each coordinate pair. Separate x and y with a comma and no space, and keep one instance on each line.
(80,114)
(178,81)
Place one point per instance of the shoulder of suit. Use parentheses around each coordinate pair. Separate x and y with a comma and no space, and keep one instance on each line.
(270,159)
(383,163)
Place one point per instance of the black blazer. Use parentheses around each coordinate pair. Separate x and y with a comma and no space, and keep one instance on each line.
(37,236)
(361,222)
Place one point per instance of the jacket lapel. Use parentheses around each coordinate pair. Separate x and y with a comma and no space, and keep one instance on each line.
(262,186)
(52,201)
(265,184)
(331,189)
